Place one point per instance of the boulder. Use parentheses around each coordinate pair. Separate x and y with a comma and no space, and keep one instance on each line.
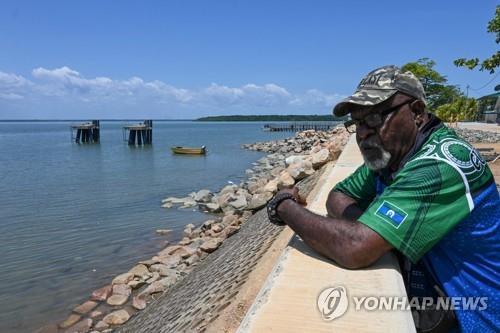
(85,307)
(117,317)
(122,289)
(139,270)
(217,227)
(163,270)
(82,326)
(229,219)
(123,278)
(228,189)
(294,159)
(101,294)
(239,202)
(163,231)
(212,207)
(211,245)
(271,186)
(285,180)
(299,171)
(193,259)
(203,196)
(229,231)
(155,277)
(153,288)
(135,284)
(259,200)
(138,303)
(117,299)
(320,158)
(169,250)
(101,325)
(173,200)
(170,261)
(70,321)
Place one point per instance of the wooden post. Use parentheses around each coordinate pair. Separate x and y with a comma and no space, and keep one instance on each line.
(78,135)
(131,138)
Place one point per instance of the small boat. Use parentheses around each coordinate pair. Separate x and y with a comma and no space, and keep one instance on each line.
(189,150)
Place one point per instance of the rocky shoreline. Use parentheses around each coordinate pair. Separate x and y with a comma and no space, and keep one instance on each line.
(288,161)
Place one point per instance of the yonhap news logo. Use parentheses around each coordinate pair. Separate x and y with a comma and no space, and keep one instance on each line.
(333,302)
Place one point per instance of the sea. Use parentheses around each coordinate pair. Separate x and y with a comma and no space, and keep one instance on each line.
(73,216)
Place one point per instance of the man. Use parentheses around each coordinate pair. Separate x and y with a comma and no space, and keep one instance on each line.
(422,191)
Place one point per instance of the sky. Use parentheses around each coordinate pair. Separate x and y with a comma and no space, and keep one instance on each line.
(187,59)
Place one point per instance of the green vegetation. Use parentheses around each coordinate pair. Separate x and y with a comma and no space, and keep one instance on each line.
(492,62)
(447,101)
(272,118)
(436,88)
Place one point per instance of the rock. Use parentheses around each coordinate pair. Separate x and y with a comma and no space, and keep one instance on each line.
(169,250)
(300,170)
(174,200)
(163,231)
(193,259)
(51,328)
(117,299)
(123,278)
(153,288)
(155,277)
(101,325)
(95,314)
(259,200)
(320,158)
(229,231)
(117,318)
(139,270)
(239,202)
(168,281)
(228,189)
(101,294)
(82,326)
(122,289)
(149,262)
(189,203)
(211,245)
(224,199)
(294,159)
(139,303)
(203,196)
(272,186)
(212,207)
(85,307)
(185,252)
(285,180)
(229,219)
(163,270)
(70,321)
(171,261)
(185,241)
(217,227)
(135,284)
(167,205)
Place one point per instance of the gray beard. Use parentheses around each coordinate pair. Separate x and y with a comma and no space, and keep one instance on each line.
(378,163)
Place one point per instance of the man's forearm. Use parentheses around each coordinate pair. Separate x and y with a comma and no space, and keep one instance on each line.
(336,238)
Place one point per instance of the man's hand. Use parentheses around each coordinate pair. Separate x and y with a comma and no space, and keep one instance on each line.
(295,192)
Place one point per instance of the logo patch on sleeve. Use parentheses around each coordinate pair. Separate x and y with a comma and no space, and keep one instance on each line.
(391,214)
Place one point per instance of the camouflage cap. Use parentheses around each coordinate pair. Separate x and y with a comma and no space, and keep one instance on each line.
(379,85)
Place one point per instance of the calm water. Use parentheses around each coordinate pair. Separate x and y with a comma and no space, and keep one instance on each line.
(73,216)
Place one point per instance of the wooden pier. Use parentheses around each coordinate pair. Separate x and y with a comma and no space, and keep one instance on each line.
(88,132)
(300,126)
(140,133)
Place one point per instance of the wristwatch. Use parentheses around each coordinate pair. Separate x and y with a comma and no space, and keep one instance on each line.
(272,207)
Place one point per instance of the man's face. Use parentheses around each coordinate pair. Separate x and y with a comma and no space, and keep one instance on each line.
(383,145)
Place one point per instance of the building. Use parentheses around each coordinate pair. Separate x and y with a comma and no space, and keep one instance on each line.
(489,108)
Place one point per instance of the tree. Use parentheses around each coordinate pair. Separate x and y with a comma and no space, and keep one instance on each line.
(436,89)
(461,109)
(492,62)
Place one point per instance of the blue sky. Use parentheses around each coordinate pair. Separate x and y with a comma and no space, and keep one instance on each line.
(184,59)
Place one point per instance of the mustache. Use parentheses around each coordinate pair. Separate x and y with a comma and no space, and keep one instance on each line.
(370,143)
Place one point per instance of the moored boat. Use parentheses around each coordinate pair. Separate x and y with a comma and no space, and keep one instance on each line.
(189,150)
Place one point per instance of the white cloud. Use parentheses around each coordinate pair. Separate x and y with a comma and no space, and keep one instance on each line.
(66,85)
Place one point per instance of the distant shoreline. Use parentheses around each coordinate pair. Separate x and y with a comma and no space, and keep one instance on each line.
(327,117)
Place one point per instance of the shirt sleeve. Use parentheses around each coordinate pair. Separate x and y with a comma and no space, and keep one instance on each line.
(425,201)
(361,186)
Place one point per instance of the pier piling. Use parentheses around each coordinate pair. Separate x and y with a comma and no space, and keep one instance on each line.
(140,133)
(88,132)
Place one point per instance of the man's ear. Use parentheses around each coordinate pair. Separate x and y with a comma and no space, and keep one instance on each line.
(418,109)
